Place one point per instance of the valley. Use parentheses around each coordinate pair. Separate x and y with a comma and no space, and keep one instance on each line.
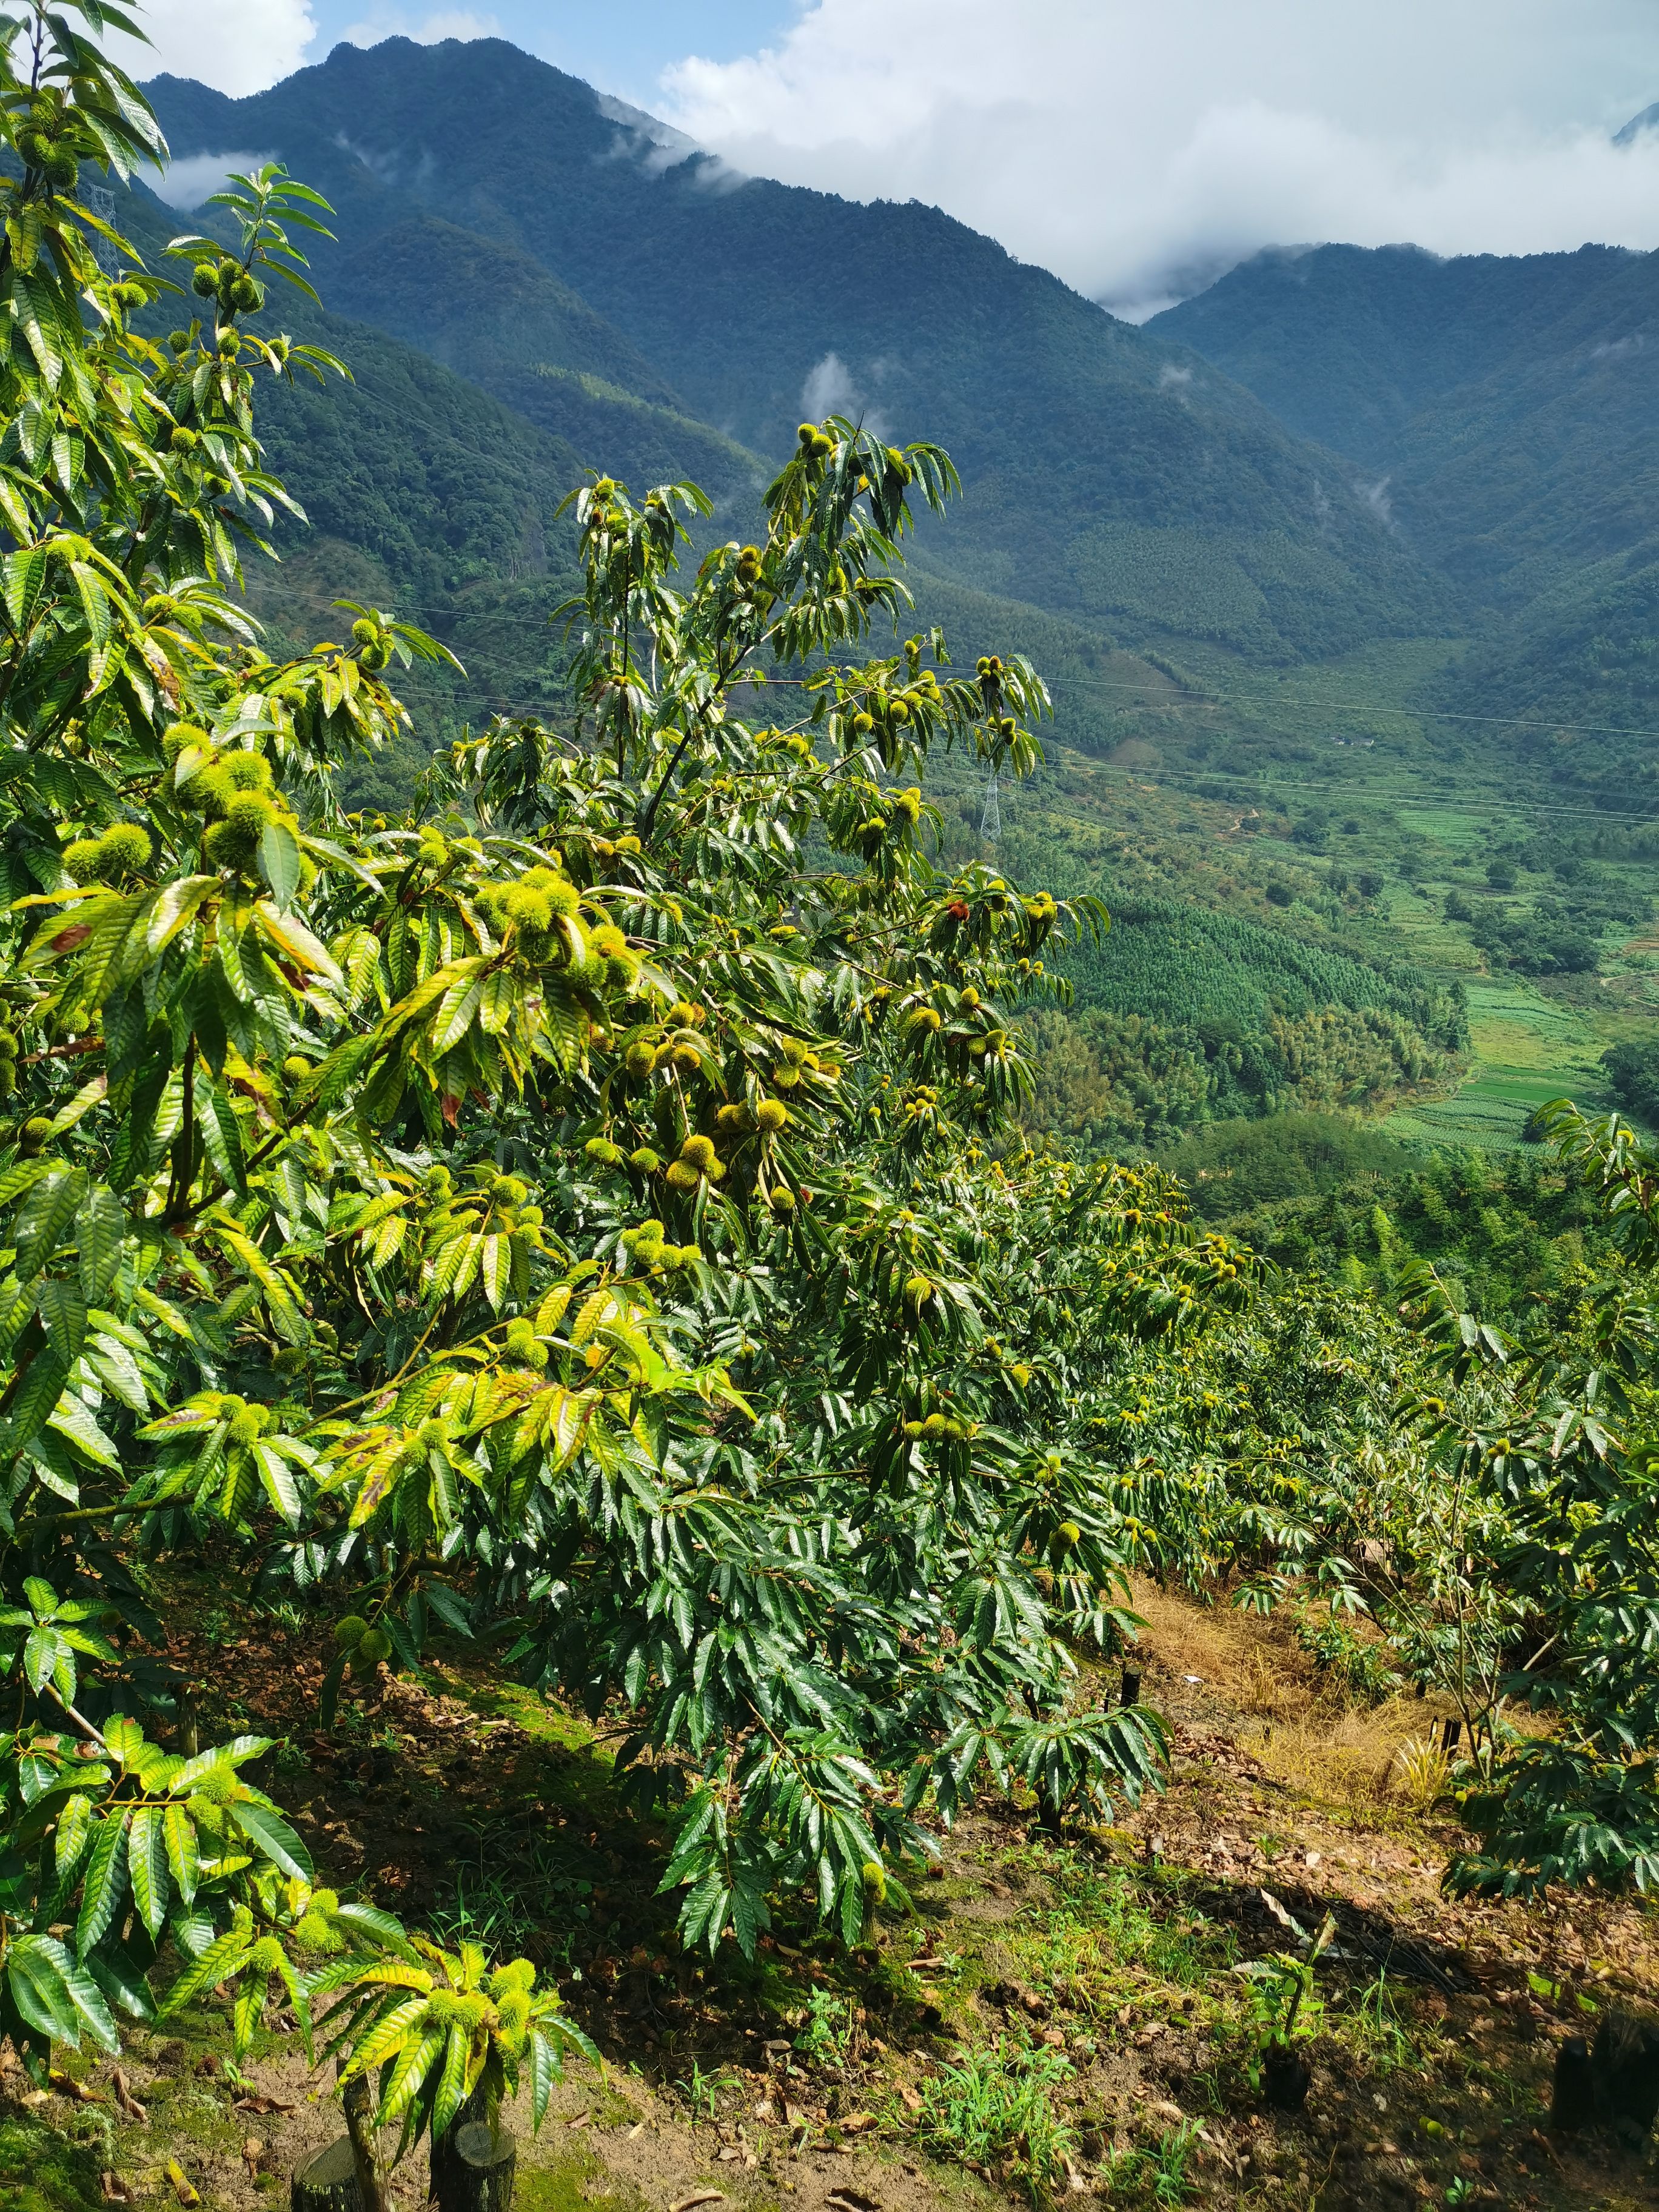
(1334,694)
(799,1398)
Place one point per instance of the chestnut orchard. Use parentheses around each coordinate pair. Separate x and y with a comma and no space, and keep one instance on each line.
(588,1214)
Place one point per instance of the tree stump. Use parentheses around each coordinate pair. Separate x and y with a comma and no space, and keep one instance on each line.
(1131,1695)
(474,2169)
(327,2182)
(1573,2104)
(1624,2064)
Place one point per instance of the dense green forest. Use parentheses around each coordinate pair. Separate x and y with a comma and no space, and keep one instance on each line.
(1181,1015)
(1163,511)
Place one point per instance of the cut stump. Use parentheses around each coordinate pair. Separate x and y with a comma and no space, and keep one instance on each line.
(476,2170)
(327,2182)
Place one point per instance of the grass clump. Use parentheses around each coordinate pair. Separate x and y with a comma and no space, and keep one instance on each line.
(827,2038)
(1158,2175)
(1106,1939)
(995,2109)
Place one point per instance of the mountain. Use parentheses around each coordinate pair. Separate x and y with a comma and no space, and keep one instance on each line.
(632,297)
(1349,344)
(1504,409)
(1638,126)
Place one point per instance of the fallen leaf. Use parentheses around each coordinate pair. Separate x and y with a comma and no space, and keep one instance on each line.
(637,2129)
(850,2200)
(579,2119)
(263,2105)
(113,2189)
(730,2152)
(857,2124)
(182,2187)
(698,2196)
(908,2098)
(67,2086)
(126,2102)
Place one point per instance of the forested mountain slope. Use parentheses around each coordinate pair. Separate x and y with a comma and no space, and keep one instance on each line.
(1109,476)
(1505,409)
(1349,344)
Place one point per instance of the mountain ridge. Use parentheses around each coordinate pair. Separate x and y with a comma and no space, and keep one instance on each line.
(1107,474)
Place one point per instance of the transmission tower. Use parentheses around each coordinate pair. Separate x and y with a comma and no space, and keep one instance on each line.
(99,200)
(990,821)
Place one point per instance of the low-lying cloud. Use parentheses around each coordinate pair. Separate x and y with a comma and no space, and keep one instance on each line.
(1138,151)
(186,185)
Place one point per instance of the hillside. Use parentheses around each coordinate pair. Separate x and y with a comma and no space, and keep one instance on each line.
(1349,344)
(1110,478)
(1505,410)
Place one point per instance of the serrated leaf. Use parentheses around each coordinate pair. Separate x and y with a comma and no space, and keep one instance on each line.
(99,1230)
(105,1883)
(275,1837)
(279,862)
(147,1866)
(184,1858)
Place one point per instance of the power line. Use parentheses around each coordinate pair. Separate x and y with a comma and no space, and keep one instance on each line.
(1305,710)
(1254,786)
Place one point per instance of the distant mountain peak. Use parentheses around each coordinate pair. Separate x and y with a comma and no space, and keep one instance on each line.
(1639,126)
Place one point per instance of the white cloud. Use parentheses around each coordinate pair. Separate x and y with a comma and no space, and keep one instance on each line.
(832,389)
(1138,150)
(237,45)
(1375,497)
(426,30)
(828,390)
(188,183)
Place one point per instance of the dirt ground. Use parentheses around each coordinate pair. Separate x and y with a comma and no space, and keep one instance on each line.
(477,1809)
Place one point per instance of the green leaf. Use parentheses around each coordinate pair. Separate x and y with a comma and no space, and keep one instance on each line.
(106,1882)
(279,862)
(281,1487)
(121,1981)
(99,1230)
(86,1997)
(274,1837)
(452,2082)
(147,1866)
(184,1859)
(62,1312)
(74,1832)
(222,1958)
(45,1217)
(40,1993)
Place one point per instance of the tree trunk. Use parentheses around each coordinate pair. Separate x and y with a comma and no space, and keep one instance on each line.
(365,2145)
(1625,2062)
(474,2167)
(1573,2105)
(327,2182)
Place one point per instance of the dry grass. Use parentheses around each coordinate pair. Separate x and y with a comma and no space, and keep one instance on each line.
(1296,1723)
(1348,1755)
(1251,1664)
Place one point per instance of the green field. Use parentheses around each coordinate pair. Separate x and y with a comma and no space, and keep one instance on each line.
(1317,801)
(1527,1050)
